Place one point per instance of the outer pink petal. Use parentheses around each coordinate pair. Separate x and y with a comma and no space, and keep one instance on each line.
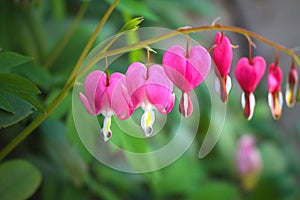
(174,63)
(92,88)
(135,80)
(222,54)
(198,67)
(119,96)
(86,104)
(274,78)
(259,64)
(186,73)
(159,89)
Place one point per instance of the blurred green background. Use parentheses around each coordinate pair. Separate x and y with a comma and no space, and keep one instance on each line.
(52,163)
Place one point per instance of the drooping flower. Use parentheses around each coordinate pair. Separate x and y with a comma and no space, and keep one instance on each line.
(248,74)
(275,96)
(186,71)
(249,162)
(149,88)
(291,87)
(107,97)
(222,56)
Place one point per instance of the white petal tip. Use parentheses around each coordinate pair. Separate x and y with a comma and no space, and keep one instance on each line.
(228,84)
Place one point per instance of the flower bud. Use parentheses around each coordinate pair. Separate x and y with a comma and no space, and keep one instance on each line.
(291,87)
(274,87)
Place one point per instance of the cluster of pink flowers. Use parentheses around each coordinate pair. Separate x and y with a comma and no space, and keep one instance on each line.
(151,88)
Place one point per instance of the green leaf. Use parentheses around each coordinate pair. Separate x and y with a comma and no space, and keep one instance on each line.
(20,87)
(19,179)
(5,105)
(20,107)
(132,24)
(10,59)
(34,72)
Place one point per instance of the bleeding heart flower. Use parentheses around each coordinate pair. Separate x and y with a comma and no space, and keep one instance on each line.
(222,56)
(186,71)
(291,87)
(248,74)
(275,96)
(149,88)
(249,162)
(106,97)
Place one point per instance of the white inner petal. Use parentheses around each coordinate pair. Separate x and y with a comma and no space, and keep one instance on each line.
(270,101)
(243,100)
(228,84)
(147,121)
(280,99)
(252,104)
(105,131)
(185,103)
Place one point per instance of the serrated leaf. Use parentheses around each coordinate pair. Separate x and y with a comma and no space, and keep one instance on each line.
(21,110)
(11,59)
(5,105)
(20,87)
(19,179)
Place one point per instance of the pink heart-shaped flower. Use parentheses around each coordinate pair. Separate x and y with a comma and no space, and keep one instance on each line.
(249,73)
(186,72)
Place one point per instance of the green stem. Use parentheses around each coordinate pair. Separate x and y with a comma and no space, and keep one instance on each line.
(67,36)
(69,84)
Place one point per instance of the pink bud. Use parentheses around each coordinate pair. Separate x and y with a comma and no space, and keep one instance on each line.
(222,54)
(275,96)
(274,78)
(291,87)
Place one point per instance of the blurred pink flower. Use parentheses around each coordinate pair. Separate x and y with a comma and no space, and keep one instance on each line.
(106,98)
(249,162)
(274,85)
(248,74)
(149,88)
(248,157)
(222,56)
(186,70)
